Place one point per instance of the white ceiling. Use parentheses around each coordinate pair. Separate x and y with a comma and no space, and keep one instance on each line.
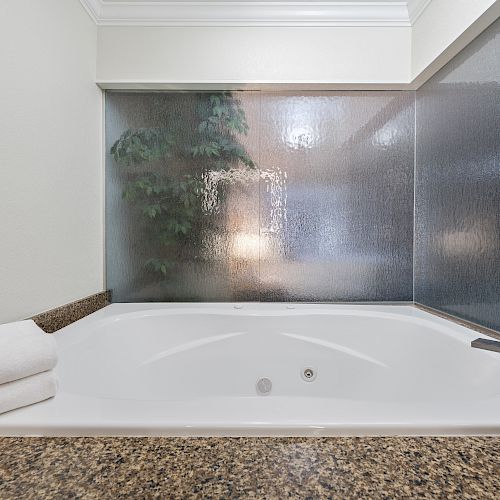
(255,12)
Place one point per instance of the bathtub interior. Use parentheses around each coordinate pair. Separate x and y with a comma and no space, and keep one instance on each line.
(180,354)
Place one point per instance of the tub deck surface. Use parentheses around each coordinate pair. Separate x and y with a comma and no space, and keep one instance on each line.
(395,467)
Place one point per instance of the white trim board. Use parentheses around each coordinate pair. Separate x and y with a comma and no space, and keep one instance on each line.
(268,86)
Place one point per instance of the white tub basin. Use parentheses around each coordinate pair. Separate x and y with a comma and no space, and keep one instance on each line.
(194,369)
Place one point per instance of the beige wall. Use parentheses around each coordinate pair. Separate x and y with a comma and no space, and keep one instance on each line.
(352,55)
(50,160)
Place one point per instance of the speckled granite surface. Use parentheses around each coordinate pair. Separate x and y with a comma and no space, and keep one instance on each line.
(463,467)
(55,319)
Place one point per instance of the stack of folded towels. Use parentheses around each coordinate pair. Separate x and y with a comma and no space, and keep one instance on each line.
(27,358)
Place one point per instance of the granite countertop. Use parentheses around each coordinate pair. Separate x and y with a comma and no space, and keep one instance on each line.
(428,467)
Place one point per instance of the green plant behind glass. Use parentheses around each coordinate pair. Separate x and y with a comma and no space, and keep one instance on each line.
(163,169)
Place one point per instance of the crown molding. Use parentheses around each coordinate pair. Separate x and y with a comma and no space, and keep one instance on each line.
(251,13)
(93,9)
(416,9)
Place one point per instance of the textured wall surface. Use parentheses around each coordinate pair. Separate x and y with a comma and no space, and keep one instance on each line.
(457,250)
(326,215)
(51,204)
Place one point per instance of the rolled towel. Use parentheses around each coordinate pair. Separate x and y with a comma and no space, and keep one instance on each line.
(25,349)
(28,390)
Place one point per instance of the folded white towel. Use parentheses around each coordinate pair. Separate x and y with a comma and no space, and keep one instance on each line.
(25,349)
(28,390)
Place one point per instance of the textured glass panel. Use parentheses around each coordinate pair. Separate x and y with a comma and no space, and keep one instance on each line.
(457,267)
(176,235)
(337,196)
(326,214)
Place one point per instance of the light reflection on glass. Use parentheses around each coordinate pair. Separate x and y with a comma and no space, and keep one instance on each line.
(300,137)
(386,136)
(247,246)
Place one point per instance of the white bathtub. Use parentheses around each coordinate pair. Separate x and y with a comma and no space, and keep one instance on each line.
(193,369)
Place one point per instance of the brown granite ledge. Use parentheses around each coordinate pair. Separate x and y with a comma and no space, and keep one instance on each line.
(55,319)
(395,467)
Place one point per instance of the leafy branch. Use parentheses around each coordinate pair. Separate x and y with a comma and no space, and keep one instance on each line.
(163,166)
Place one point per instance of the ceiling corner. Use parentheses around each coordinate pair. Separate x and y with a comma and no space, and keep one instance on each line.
(416,9)
(93,9)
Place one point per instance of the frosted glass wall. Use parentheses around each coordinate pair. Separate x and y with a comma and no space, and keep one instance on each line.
(457,252)
(256,196)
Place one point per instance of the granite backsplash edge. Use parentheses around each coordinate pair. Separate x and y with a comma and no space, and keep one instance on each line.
(54,319)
